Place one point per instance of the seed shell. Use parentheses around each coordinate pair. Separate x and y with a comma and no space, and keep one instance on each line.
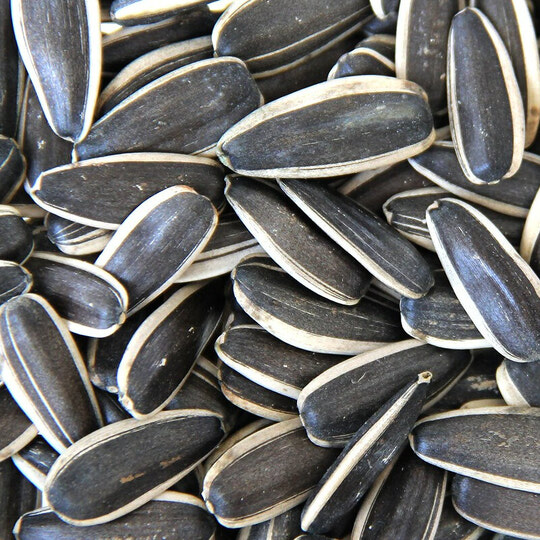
(259,144)
(185,221)
(12,168)
(264,475)
(519,383)
(294,242)
(305,320)
(286,525)
(507,511)
(215,94)
(130,12)
(489,138)
(50,384)
(14,280)
(497,288)
(131,462)
(453,527)
(16,241)
(63,60)
(382,251)
(374,445)
(492,444)
(35,460)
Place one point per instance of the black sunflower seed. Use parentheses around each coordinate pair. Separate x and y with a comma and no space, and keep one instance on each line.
(286,525)
(519,383)
(130,12)
(35,460)
(12,168)
(134,460)
(16,240)
(453,527)
(14,280)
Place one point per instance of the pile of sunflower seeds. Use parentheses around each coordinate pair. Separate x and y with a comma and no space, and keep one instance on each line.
(269,269)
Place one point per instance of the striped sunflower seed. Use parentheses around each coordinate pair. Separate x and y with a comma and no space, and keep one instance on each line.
(513,197)
(254,398)
(132,12)
(334,405)
(131,462)
(16,430)
(35,460)
(171,515)
(512,20)
(50,383)
(519,383)
(286,525)
(102,192)
(269,362)
(373,446)
(185,222)
(63,60)
(264,475)
(497,288)
(303,319)
(383,252)
(453,527)
(16,240)
(12,168)
(507,511)
(163,350)
(14,280)
(489,140)
(439,318)
(259,144)
(90,300)
(215,94)
(492,444)
(406,499)
(294,243)
(530,245)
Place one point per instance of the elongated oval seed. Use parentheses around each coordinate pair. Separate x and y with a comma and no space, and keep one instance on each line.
(185,111)
(264,475)
(374,244)
(49,383)
(332,408)
(489,138)
(179,221)
(497,288)
(14,280)
(519,383)
(302,319)
(493,444)
(453,527)
(142,11)
(373,446)
(295,243)
(63,60)
(129,462)
(507,511)
(336,129)
(102,192)
(362,60)
(162,352)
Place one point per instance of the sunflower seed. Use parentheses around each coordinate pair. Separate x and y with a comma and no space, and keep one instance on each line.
(453,527)
(255,399)
(530,246)
(421,42)
(336,403)
(382,251)
(493,444)
(374,445)
(507,511)
(519,383)
(14,280)
(12,168)
(50,384)
(302,319)
(102,192)
(35,460)
(16,241)
(131,12)
(489,140)
(151,66)
(499,291)
(439,318)
(264,475)
(170,516)
(75,239)
(286,525)
(16,430)
(513,197)
(162,352)
(258,145)
(304,26)
(267,361)
(185,221)
(185,111)
(131,462)
(407,499)
(62,60)
(295,243)
(512,20)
